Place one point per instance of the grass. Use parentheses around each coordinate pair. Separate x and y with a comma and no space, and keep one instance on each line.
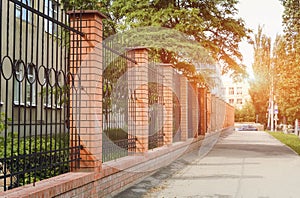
(291,140)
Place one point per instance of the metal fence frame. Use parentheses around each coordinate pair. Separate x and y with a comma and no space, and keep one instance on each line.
(35,85)
(117,141)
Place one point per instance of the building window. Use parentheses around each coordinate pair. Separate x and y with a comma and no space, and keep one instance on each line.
(23,13)
(51,9)
(18,84)
(231,101)
(47,92)
(231,91)
(239,91)
(30,86)
(239,101)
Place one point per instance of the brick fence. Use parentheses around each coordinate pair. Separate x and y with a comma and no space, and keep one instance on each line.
(97,179)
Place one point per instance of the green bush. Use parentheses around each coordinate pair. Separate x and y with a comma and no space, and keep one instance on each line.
(115,134)
(246,114)
(31,159)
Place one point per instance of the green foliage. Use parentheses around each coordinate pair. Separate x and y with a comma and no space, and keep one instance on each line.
(2,122)
(114,88)
(80,4)
(112,149)
(291,140)
(60,94)
(20,151)
(260,86)
(211,23)
(115,134)
(246,114)
(286,60)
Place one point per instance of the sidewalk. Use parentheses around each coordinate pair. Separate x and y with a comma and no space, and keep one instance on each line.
(242,164)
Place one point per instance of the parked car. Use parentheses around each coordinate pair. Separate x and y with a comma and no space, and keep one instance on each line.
(247,128)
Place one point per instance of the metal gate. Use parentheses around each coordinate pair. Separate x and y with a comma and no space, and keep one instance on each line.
(35,85)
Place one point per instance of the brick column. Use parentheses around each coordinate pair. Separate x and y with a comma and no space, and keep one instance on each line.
(219,113)
(138,117)
(184,107)
(213,113)
(202,97)
(167,71)
(208,113)
(195,109)
(223,115)
(86,95)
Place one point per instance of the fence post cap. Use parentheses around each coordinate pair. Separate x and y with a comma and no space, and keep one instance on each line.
(78,12)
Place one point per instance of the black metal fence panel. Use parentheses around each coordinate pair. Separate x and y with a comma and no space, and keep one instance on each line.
(34,92)
(155,102)
(118,101)
(191,107)
(176,107)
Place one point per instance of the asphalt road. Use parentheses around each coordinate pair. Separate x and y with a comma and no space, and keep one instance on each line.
(241,164)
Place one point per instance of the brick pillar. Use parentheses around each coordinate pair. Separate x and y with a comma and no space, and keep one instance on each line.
(138,117)
(208,113)
(195,109)
(184,107)
(219,113)
(225,114)
(167,71)
(223,124)
(213,113)
(202,95)
(86,95)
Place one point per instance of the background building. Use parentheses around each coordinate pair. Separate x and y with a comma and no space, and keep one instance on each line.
(236,93)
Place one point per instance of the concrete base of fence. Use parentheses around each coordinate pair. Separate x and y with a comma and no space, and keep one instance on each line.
(114,177)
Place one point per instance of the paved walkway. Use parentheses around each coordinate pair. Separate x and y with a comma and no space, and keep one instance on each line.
(241,164)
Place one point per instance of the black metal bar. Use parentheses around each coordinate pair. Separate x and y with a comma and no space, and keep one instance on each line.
(80,72)
(41,146)
(36,100)
(119,54)
(17,2)
(116,141)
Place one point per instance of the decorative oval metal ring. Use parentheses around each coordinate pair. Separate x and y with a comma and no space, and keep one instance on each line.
(19,66)
(61,79)
(70,78)
(52,79)
(5,68)
(42,75)
(33,80)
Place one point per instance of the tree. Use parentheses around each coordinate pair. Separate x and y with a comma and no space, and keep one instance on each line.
(246,114)
(286,60)
(212,23)
(260,86)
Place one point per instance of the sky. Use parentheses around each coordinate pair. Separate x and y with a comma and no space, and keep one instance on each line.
(267,13)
